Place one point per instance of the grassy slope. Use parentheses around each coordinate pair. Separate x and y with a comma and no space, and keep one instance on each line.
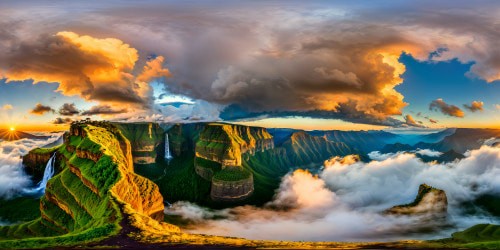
(88,217)
(181,182)
(10,212)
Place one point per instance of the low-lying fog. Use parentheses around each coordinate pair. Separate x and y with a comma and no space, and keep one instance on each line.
(345,201)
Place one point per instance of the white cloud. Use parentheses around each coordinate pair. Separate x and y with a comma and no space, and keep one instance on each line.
(12,176)
(345,201)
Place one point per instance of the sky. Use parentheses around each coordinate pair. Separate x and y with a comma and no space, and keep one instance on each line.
(300,64)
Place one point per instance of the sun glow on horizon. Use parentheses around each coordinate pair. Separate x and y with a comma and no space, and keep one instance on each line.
(12,129)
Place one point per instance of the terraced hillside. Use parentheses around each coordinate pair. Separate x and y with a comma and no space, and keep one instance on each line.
(94,195)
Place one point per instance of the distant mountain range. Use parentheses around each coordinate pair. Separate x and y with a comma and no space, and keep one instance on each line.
(9,135)
(461,140)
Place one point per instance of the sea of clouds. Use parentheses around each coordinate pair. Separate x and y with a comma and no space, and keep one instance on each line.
(13,178)
(346,200)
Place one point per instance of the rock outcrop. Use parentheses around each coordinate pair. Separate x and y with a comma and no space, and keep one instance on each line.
(145,139)
(219,152)
(36,160)
(430,202)
(226,143)
(235,190)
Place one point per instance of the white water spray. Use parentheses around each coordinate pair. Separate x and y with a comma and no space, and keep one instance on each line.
(47,174)
(168,156)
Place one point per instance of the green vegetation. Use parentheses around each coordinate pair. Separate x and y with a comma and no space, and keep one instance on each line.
(145,138)
(44,150)
(481,236)
(180,181)
(213,165)
(71,213)
(87,236)
(10,209)
(232,174)
(267,169)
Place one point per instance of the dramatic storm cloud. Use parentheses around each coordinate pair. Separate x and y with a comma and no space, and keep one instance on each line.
(337,61)
(92,68)
(445,108)
(346,201)
(12,176)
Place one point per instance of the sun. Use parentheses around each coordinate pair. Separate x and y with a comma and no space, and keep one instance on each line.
(12,129)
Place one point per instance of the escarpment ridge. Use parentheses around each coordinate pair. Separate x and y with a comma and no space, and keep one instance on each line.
(95,192)
(219,152)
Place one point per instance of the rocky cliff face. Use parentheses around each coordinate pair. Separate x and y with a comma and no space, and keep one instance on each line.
(225,143)
(183,137)
(303,148)
(430,202)
(236,190)
(145,139)
(36,160)
(219,152)
(97,192)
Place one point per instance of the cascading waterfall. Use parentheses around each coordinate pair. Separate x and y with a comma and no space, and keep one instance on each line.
(47,174)
(168,156)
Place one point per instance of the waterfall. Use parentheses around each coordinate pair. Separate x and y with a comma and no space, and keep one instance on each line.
(47,174)
(168,156)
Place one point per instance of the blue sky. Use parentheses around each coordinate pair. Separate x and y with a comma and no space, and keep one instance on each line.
(328,64)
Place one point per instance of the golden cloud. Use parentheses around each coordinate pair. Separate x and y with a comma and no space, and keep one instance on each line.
(95,69)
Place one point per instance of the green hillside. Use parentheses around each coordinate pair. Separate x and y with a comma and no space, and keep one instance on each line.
(92,195)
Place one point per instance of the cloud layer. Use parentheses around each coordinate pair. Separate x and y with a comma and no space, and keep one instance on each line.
(13,179)
(308,59)
(344,202)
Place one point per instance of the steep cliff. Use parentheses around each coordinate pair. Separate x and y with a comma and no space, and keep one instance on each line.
(362,141)
(210,143)
(36,160)
(303,148)
(183,137)
(225,143)
(219,152)
(430,202)
(96,194)
(145,139)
